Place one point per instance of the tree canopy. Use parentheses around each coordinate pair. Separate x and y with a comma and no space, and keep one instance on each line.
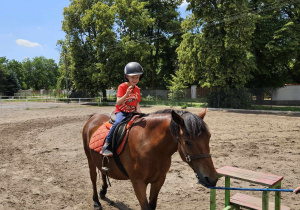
(103,36)
(235,44)
(38,73)
(222,44)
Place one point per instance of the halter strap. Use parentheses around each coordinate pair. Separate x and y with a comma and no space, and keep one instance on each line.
(193,157)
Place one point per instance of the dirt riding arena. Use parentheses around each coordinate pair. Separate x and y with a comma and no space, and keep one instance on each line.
(43,165)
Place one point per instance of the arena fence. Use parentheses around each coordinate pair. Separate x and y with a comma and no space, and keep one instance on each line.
(28,103)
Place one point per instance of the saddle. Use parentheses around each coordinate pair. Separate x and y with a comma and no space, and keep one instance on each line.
(119,140)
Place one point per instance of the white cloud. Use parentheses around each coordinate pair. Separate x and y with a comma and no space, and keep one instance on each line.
(184,4)
(26,43)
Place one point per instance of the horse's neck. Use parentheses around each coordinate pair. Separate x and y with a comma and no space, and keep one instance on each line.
(158,127)
(168,143)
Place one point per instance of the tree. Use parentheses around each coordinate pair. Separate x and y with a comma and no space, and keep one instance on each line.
(3,74)
(89,33)
(18,69)
(12,84)
(64,80)
(132,22)
(41,73)
(163,37)
(103,36)
(9,83)
(275,45)
(215,50)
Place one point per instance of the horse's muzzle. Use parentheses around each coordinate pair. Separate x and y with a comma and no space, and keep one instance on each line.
(207,181)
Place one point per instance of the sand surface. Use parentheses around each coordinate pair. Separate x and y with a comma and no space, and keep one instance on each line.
(43,165)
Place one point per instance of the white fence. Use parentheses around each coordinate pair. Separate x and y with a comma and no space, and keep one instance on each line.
(46,102)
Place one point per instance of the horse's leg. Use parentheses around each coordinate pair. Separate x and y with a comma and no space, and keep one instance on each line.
(140,187)
(93,174)
(104,186)
(155,188)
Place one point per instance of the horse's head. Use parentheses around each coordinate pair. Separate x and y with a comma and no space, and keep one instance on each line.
(193,138)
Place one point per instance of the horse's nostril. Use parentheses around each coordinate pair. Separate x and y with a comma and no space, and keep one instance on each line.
(207,180)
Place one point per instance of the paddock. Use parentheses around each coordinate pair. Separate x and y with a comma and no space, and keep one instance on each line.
(36,145)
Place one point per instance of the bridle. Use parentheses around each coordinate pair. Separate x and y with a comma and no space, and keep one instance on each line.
(188,157)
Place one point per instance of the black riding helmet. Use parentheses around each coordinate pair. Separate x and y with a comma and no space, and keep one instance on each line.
(132,69)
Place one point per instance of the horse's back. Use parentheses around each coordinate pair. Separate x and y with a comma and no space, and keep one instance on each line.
(92,125)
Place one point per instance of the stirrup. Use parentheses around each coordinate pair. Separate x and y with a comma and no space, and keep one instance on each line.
(104,168)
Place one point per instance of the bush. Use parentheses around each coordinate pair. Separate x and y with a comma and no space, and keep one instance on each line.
(230,98)
(184,106)
(78,94)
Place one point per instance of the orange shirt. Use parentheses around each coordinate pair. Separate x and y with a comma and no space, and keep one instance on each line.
(129,105)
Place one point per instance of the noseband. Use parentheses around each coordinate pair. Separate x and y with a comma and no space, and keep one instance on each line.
(193,157)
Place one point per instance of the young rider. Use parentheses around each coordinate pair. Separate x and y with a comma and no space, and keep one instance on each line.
(128,98)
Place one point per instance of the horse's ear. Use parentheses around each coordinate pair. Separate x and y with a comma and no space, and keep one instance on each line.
(202,114)
(177,118)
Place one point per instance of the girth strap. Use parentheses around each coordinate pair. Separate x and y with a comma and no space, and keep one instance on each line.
(114,147)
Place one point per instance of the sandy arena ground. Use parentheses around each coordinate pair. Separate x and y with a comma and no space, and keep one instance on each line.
(43,165)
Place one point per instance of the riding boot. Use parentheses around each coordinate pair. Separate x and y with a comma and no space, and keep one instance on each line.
(105,151)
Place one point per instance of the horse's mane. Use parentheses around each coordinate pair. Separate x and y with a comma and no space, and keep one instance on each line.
(194,125)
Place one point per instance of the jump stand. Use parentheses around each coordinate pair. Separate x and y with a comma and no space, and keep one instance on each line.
(241,200)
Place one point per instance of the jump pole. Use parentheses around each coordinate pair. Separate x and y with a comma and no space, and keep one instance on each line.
(252,189)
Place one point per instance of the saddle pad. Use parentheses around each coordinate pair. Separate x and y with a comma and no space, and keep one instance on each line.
(97,140)
(98,137)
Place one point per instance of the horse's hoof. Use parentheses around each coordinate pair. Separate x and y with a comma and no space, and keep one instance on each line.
(102,193)
(97,206)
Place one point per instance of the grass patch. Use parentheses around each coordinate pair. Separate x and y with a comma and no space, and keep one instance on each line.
(276,108)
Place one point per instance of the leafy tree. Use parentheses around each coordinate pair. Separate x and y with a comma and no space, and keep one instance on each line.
(12,84)
(132,22)
(275,45)
(163,37)
(64,80)
(3,74)
(103,36)
(89,29)
(18,69)
(215,50)
(9,83)
(41,73)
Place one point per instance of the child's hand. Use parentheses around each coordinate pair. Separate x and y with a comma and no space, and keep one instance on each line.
(297,190)
(129,90)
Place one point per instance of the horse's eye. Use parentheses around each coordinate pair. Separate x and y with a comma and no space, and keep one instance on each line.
(187,143)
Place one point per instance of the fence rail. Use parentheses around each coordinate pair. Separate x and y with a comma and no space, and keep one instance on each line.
(45,102)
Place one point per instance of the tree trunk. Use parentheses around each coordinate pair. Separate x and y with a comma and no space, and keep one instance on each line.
(104,94)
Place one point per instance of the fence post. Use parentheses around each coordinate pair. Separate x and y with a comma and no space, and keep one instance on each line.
(79,101)
(26,103)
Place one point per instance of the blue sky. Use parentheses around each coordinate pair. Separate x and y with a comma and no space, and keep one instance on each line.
(30,28)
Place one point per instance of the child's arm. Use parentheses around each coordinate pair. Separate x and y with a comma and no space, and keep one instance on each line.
(138,108)
(120,100)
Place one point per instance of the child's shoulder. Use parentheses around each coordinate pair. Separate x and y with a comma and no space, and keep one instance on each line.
(124,84)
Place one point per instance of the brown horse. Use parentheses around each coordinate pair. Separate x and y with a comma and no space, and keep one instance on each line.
(152,140)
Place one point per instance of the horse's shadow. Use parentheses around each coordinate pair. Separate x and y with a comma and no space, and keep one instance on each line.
(118,205)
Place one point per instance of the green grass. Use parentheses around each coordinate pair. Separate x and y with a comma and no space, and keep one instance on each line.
(183,103)
(173,103)
(276,108)
(201,104)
